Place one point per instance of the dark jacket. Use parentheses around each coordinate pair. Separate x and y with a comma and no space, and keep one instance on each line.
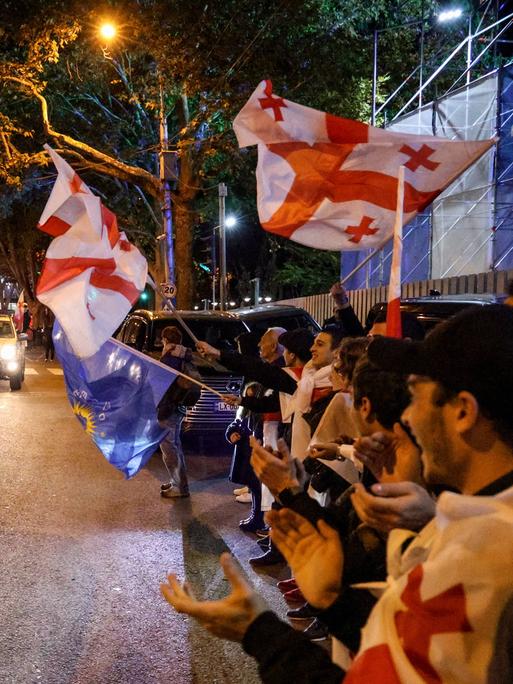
(270,375)
(347,321)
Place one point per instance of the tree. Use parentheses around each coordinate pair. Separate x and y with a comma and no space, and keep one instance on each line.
(100,108)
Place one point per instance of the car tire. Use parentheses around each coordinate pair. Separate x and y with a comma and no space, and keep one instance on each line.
(15,382)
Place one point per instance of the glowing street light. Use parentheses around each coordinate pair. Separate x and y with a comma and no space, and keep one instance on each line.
(230,221)
(450,15)
(107,30)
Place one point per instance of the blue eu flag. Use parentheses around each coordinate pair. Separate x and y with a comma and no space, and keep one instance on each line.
(114,394)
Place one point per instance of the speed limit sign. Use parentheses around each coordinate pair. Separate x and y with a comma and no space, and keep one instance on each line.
(168,289)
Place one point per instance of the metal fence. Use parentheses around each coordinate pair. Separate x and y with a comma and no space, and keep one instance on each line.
(492,282)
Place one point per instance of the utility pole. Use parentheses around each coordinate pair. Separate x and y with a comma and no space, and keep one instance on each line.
(223,192)
(168,172)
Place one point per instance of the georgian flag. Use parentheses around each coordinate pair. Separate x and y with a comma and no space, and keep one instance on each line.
(437,620)
(19,313)
(91,275)
(331,183)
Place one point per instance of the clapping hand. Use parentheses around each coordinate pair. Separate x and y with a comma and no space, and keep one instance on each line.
(228,618)
(275,469)
(394,504)
(376,452)
(314,554)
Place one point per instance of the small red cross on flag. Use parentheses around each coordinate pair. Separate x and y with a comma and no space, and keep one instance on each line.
(360,231)
(271,102)
(318,174)
(419,158)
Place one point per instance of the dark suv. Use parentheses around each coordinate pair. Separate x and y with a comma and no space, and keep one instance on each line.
(242,329)
(142,330)
(433,309)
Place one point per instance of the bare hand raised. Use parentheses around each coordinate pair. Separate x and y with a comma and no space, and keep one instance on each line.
(326,450)
(394,504)
(315,555)
(376,452)
(207,350)
(274,469)
(228,618)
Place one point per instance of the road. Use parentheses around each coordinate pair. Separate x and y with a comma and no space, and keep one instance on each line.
(82,553)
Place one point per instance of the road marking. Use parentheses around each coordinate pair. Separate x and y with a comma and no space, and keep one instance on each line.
(31,371)
(55,371)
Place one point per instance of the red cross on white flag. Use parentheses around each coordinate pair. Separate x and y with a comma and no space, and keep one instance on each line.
(91,275)
(331,183)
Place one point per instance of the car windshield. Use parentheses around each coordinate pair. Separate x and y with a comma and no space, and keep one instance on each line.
(5,329)
(220,334)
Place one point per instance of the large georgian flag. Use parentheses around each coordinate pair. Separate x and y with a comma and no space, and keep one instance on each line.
(92,274)
(331,183)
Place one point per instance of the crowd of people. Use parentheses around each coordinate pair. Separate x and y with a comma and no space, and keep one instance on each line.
(381,471)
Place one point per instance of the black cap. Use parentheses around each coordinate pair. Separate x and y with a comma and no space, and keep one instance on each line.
(471,351)
(298,342)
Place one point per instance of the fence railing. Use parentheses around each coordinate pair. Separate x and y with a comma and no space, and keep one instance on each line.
(492,282)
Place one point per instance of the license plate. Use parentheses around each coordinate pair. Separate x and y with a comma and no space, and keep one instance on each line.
(223,406)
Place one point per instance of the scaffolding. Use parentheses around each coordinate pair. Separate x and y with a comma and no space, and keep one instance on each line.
(469,228)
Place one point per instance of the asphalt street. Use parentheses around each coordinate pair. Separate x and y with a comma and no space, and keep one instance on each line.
(83,550)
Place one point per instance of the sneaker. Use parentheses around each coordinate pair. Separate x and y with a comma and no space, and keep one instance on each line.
(165,485)
(287,585)
(245,499)
(241,490)
(174,493)
(317,631)
(294,596)
(270,557)
(263,531)
(251,524)
(306,612)
(264,542)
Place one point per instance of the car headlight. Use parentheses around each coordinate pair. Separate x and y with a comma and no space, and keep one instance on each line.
(8,352)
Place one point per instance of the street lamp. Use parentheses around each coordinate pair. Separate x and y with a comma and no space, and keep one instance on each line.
(450,15)
(167,169)
(224,222)
(108,30)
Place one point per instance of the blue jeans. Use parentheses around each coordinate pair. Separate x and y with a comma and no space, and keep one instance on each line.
(172,452)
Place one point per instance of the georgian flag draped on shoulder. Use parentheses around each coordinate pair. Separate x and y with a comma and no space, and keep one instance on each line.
(91,275)
(331,183)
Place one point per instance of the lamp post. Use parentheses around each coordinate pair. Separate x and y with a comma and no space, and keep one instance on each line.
(222,192)
(167,170)
(224,222)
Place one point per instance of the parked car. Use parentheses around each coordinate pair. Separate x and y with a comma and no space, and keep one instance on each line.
(225,330)
(12,353)
(436,308)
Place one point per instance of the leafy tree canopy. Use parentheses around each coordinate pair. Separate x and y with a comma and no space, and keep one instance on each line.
(99,104)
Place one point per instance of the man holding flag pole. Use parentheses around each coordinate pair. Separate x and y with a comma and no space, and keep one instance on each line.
(90,278)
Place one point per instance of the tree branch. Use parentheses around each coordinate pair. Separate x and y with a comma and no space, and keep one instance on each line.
(100,162)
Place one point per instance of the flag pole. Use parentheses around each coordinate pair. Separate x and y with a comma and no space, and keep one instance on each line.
(364,262)
(136,352)
(394,327)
